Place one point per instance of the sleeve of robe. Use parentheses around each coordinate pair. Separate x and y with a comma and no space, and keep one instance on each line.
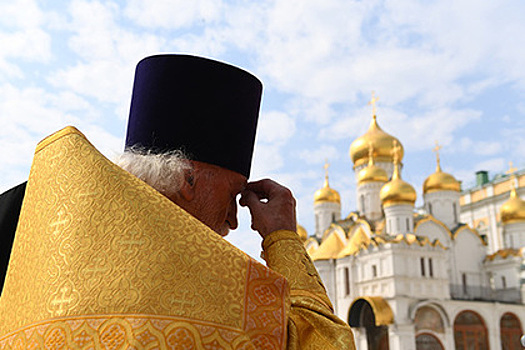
(311,323)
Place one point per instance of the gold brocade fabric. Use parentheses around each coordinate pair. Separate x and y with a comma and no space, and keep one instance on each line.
(103,261)
(312,324)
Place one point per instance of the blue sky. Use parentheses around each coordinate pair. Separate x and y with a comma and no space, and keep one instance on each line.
(450,71)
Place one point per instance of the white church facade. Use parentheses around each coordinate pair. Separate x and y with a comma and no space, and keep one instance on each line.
(444,276)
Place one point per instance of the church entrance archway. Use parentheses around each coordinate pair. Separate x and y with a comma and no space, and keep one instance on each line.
(372,314)
(470,332)
(510,328)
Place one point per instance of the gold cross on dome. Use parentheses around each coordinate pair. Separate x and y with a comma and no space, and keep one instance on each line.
(512,172)
(326,166)
(512,169)
(373,102)
(436,149)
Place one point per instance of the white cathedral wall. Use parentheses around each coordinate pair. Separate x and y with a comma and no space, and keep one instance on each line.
(345,294)
(402,333)
(326,269)
(368,201)
(469,253)
(505,272)
(409,277)
(514,235)
(485,209)
(325,214)
(374,273)
(444,206)
(399,219)
(434,231)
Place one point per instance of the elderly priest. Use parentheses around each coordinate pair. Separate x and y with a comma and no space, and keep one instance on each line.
(131,256)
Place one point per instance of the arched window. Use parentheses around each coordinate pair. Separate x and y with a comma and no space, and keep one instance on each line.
(470,332)
(426,341)
(427,318)
(363,203)
(511,332)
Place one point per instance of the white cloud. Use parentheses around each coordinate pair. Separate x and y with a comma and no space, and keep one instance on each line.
(173,14)
(351,125)
(30,45)
(266,159)
(21,14)
(107,81)
(275,128)
(484,148)
(108,52)
(320,154)
(441,125)
(311,109)
(494,165)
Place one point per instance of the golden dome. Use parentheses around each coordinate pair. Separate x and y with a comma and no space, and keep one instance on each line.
(397,191)
(372,172)
(513,210)
(326,194)
(380,141)
(440,181)
(301,231)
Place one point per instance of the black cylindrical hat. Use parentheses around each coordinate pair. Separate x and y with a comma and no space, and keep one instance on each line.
(207,109)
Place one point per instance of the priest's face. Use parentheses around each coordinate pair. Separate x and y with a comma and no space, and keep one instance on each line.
(215,196)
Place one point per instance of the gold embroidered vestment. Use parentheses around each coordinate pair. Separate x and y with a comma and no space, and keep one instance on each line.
(101,260)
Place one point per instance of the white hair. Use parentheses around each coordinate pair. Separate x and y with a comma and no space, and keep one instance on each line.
(164,172)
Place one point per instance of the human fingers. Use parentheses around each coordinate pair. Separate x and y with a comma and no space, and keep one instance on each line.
(267,189)
(249,198)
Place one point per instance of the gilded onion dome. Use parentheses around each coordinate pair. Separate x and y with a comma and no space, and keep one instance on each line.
(372,173)
(380,141)
(326,194)
(397,191)
(513,210)
(440,181)
(301,231)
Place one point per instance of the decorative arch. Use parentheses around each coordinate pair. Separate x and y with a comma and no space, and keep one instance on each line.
(433,221)
(472,231)
(470,331)
(430,218)
(374,315)
(382,312)
(436,306)
(428,318)
(510,332)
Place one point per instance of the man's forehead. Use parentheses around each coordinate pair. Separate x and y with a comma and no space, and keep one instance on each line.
(233,176)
